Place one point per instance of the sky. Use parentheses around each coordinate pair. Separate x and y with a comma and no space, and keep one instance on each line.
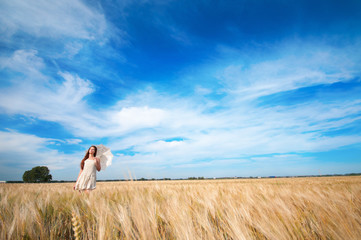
(181,89)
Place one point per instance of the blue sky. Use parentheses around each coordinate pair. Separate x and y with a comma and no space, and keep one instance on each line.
(181,88)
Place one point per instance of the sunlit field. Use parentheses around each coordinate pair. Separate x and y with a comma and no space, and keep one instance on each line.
(281,208)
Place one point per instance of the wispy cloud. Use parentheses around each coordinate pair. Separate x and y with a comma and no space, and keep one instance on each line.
(302,66)
(51,19)
(39,95)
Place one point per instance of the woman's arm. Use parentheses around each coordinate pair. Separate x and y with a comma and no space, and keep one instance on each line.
(97,164)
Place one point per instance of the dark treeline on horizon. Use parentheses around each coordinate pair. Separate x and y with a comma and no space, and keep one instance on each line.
(200,178)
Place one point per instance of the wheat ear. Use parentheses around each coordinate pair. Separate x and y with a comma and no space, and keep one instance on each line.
(76,226)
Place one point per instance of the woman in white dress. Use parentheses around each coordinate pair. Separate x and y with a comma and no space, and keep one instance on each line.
(87,176)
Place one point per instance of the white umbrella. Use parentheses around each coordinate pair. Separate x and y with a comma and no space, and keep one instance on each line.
(105,156)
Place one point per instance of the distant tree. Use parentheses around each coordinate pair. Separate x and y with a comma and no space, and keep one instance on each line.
(37,174)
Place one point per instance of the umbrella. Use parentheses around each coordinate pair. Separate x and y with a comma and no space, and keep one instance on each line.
(105,156)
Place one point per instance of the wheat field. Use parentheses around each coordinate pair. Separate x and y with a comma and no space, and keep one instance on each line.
(281,208)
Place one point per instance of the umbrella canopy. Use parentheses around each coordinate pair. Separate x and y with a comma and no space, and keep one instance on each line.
(105,156)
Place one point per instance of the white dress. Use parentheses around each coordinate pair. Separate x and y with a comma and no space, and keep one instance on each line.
(87,178)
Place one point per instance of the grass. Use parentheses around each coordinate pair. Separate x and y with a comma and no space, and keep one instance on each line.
(289,208)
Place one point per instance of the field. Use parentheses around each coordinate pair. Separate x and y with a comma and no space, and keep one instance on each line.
(281,208)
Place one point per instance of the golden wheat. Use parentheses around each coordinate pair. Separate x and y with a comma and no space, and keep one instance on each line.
(288,208)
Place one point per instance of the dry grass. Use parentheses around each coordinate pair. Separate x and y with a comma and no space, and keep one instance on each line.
(298,208)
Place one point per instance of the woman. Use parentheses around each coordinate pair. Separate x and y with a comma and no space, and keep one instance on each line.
(87,176)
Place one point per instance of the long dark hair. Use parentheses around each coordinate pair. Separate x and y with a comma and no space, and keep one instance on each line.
(87,156)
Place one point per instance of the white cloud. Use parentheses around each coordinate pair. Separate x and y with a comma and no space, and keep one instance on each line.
(24,151)
(137,117)
(51,19)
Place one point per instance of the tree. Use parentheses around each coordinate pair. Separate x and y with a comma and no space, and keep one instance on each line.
(37,174)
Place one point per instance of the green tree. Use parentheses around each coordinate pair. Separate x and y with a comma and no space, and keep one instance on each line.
(37,174)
